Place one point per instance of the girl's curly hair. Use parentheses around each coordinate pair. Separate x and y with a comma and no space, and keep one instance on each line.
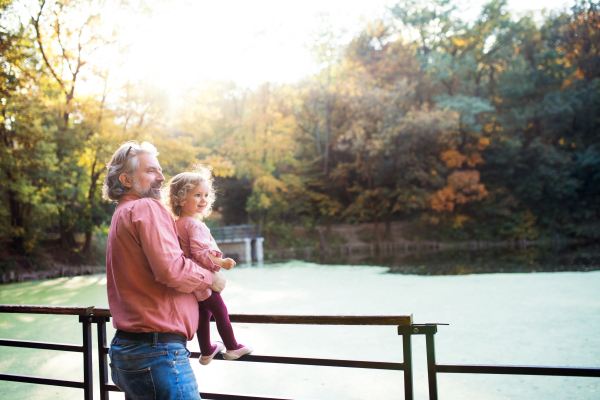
(175,192)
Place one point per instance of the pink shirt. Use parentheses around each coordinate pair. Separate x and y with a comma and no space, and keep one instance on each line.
(197,242)
(150,281)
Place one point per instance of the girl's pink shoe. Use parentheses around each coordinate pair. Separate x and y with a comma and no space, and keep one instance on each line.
(235,354)
(205,360)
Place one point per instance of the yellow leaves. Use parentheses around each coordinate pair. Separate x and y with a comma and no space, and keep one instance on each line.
(459,220)
(87,158)
(498,100)
(561,142)
(489,128)
(222,167)
(264,202)
(269,184)
(563,61)
(458,42)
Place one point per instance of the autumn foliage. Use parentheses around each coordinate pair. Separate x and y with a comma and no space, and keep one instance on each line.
(468,129)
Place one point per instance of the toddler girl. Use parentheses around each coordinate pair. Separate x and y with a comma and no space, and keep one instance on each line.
(189,197)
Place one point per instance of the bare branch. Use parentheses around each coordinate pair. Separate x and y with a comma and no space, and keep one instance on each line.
(64,52)
(36,25)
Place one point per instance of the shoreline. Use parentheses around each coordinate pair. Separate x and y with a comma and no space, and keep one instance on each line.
(350,252)
(61,272)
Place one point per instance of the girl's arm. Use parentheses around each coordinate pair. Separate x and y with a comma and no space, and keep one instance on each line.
(200,249)
(226,263)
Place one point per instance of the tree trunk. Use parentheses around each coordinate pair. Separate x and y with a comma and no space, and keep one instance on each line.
(388,228)
(67,236)
(327,136)
(16,223)
(87,246)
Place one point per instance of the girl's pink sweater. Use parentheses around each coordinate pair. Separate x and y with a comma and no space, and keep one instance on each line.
(196,242)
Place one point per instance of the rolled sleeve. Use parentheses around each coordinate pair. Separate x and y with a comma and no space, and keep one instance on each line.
(200,252)
(158,238)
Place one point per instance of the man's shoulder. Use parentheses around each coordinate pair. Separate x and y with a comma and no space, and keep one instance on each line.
(148,202)
(148,206)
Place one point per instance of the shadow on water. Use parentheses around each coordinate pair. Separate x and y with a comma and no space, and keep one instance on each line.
(536,258)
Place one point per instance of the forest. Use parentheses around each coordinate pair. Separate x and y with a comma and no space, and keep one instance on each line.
(485,129)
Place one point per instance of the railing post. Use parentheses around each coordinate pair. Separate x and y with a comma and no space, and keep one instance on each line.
(431,367)
(408,372)
(417,329)
(88,374)
(102,358)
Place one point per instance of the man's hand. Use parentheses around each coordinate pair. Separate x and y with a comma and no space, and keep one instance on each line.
(218,283)
(227,263)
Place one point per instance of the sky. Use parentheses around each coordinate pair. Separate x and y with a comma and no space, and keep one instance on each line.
(251,42)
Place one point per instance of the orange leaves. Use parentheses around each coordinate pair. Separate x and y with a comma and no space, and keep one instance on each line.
(454,159)
(443,200)
(483,143)
(462,187)
(474,159)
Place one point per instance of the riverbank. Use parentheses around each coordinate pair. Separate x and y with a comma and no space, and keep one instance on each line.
(56,271)
(344,244)
(409,258)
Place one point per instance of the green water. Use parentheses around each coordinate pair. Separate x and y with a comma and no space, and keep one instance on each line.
(518,318)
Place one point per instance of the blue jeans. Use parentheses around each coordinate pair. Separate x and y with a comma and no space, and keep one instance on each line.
(152,371)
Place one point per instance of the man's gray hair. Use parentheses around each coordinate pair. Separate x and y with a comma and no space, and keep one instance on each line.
(124,161)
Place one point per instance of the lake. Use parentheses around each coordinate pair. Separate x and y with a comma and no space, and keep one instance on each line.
(526,317)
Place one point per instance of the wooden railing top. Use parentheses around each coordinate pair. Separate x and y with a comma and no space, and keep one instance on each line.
(398,320)
(32,309)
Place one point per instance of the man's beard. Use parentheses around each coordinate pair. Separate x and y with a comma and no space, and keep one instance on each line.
(154,192)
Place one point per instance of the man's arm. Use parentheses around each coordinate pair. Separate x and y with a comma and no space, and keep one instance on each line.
(218,282)
(158,237)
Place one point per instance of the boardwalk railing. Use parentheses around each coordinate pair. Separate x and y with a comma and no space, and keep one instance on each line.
(236,232)
(85,318)
(406,328)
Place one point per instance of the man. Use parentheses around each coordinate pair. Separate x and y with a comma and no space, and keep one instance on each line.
(150,283)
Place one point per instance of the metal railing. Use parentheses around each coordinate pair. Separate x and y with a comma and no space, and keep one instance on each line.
(84,314)
(433,368)
(406,328)
(402,320)
(231,233)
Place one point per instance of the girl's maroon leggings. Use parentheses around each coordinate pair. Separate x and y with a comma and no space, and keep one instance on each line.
(214,305)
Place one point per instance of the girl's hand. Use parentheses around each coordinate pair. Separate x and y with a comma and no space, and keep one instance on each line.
(227,263)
